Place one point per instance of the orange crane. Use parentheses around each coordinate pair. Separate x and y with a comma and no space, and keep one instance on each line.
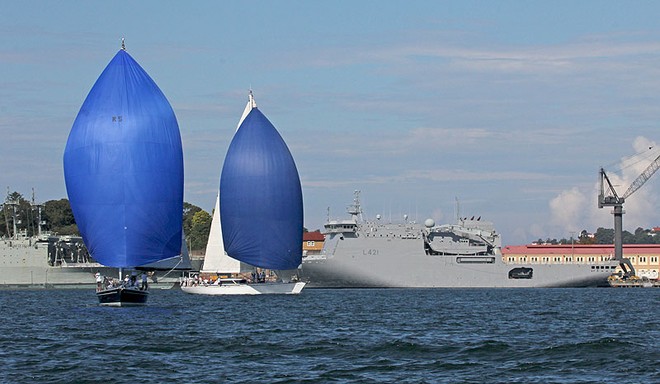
(609,198)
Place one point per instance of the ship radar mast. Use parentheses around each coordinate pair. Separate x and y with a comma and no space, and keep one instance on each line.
(355,210)
(38,207)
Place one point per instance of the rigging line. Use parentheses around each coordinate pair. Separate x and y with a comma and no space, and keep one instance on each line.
(173,268)
(643,156)
(634,159)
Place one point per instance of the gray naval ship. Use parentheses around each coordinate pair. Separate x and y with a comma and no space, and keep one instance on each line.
(49,261)
(370,253)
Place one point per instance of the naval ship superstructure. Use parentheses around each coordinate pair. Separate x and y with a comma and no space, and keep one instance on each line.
(372,253)
(47,261)
(42,259)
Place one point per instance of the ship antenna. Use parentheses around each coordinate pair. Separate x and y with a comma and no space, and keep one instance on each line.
(458,210)
(123,46)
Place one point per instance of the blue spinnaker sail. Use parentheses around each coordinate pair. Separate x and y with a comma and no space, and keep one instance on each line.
(123,168)
(261,207)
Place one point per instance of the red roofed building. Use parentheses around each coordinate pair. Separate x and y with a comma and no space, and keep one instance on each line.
(645,258)
(312,243)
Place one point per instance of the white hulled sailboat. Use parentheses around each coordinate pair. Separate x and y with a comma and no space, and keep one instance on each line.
(272,171)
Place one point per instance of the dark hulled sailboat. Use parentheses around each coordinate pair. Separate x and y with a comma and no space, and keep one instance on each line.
(123,168)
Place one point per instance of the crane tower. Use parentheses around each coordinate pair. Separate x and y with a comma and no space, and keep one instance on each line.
(609,198)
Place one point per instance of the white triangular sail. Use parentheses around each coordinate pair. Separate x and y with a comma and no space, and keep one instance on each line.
(216,259)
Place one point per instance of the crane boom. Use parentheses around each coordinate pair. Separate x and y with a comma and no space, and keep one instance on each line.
(607,197)
(641,179)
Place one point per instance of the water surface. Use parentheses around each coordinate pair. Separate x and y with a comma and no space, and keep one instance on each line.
(343,335)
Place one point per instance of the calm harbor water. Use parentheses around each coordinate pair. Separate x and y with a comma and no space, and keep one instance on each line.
(370,335)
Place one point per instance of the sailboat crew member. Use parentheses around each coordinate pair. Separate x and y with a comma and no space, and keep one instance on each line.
(99,281)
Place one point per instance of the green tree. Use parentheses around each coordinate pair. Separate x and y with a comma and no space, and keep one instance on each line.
(196,231)
(59,217)
(189,211)
(604,236)
(199,231)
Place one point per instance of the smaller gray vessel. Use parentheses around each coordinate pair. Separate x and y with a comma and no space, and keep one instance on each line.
(50,261)
(371,253)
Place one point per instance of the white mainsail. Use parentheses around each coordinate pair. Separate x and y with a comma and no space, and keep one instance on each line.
(216,259)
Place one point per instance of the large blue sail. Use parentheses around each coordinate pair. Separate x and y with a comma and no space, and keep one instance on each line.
(261,207)
(123,168)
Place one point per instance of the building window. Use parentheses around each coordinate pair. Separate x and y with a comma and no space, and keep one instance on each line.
(310,243)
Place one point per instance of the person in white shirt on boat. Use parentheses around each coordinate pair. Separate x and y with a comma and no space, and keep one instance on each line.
(144,285)
(99,281)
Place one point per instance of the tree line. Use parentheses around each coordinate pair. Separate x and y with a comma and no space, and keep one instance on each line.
(606,236)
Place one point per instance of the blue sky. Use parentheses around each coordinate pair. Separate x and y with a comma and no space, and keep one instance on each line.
(509,107)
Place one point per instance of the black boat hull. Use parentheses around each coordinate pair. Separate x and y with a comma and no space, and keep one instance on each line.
(122,297)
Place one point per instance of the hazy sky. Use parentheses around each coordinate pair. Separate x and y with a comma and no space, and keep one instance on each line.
(509,107)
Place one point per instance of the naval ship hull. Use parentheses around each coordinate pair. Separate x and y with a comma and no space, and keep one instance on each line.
(397,265)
